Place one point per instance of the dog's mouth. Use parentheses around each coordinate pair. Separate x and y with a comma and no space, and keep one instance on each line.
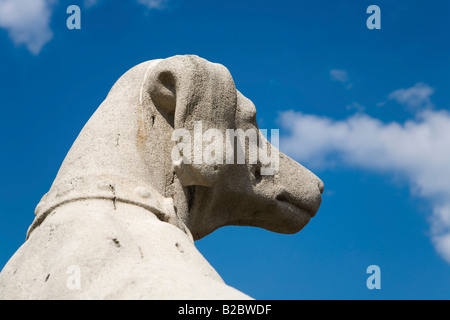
(297,206)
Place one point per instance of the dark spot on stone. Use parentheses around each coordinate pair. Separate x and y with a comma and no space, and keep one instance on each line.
(116,242)
(179,247)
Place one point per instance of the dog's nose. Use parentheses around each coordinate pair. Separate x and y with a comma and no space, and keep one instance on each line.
(321,186)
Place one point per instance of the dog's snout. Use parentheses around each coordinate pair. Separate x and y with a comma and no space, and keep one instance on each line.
(321,186)
(302,187)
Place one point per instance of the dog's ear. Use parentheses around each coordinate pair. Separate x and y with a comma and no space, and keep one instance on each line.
(193,89)
(187,90)
(174,87)
(162,90)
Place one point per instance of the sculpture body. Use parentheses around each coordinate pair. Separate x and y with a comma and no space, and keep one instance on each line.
(125,214)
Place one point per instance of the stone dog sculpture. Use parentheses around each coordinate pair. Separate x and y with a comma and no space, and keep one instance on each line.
(121,217)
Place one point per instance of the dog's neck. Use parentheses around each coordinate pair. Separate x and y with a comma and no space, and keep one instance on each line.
(113,188)
(122,154)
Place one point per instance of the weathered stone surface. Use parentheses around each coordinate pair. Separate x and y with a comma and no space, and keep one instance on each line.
(122,215)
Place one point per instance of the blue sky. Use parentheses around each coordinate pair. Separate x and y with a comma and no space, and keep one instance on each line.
(368,111)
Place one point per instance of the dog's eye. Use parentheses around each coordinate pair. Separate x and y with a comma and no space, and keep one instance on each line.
(258,176)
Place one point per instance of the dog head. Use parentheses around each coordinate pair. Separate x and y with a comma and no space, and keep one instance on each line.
(199,101)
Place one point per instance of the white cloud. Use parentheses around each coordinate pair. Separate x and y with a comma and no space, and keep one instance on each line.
(355,106)
(417,150)
(341,76)
(154,4)
(27,22)
(414,98)
(151,4)
(91,3)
